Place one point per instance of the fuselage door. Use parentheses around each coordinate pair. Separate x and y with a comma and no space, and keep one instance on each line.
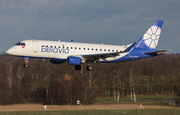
(35,45)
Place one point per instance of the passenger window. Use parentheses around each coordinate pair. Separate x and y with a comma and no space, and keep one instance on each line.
(84,48)
(54,46)
(100,49)
(71,47)
(46,46)
(92,48)
(109,50)
(59,46)
(96,49)
(79,48)
(116,50)
(88,48)
(75,47)
(43,46)
(104,49)
(51,46)
(112,50)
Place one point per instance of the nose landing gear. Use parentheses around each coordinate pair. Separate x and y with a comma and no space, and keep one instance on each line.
(26,59)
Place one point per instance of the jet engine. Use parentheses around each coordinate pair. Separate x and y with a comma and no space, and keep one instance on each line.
(74,60)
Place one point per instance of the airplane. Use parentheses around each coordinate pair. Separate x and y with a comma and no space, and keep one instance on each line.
(78,53)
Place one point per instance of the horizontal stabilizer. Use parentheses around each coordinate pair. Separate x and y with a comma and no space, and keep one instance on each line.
(156,52)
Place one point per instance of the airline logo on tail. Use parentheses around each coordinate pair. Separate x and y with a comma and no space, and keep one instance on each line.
(151,37)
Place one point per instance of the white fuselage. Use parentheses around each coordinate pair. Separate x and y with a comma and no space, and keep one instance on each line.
(76,53)
(62,50)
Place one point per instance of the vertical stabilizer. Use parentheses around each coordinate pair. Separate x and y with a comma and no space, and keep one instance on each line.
(150,39)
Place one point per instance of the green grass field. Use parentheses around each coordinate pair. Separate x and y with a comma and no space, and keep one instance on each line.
(99,112)
(154,100)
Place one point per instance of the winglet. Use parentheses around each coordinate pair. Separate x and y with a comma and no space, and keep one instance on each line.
(129,47)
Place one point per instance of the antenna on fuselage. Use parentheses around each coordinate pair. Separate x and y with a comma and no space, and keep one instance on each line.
(72,40)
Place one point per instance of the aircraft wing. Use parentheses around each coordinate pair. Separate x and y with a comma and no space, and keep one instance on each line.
(94,57)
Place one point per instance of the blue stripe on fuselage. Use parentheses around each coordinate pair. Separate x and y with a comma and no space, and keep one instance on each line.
(136,53)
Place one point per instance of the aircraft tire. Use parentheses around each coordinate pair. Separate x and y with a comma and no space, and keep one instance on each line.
(89,68)
(78,67)
(25,65)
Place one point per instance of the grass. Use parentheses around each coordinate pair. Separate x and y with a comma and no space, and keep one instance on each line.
(157,100)
(99,112)
(126,100)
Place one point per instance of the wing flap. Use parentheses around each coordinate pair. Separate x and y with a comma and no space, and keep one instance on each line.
(102,56)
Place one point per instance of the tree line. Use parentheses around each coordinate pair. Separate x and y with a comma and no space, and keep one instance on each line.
(43,82)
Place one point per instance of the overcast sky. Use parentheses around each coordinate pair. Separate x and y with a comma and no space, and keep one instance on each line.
(115,22)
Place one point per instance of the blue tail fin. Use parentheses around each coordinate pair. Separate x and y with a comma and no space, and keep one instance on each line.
(150,39)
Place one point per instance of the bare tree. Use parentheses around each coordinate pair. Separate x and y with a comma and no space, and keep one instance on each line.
(20,76)
(9,77)
(117,83)
(114,88)
(90,78)
(46,78)
(132,85)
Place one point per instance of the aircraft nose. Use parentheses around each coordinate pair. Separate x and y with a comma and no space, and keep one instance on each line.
(9,51)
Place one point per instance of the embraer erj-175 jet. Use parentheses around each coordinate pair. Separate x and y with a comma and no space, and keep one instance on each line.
(78,53)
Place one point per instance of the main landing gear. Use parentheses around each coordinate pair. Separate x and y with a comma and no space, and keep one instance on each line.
(26,59)
(89,67)
(78,67)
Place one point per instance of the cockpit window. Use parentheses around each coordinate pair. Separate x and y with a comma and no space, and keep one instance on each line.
(19,43)
(22,44)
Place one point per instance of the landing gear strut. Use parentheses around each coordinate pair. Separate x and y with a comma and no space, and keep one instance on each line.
(26,59)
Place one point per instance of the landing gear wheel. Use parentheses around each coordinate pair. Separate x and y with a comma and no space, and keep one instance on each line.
(25,65)
(89,68)
(78,67)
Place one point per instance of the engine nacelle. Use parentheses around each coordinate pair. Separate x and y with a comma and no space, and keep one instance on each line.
(74,60)
(55,61)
